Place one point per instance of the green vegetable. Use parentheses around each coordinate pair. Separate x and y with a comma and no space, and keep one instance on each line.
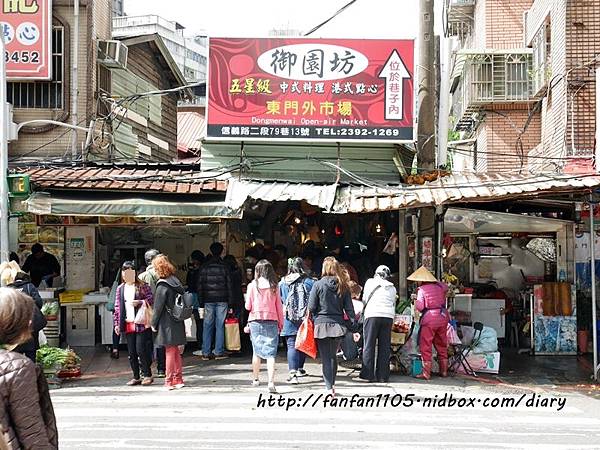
(402,305)
(56,358)
(50,308)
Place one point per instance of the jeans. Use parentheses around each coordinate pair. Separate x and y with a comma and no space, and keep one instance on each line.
(199,326)
(139,349)
(328,350)
(377,337)
(174,365)
(295,358)
(214,319)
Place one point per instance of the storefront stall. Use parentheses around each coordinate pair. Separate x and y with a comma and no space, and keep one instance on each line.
(93,232)
(511,273)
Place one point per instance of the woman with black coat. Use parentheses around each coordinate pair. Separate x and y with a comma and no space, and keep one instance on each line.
(330,304)
(170,333)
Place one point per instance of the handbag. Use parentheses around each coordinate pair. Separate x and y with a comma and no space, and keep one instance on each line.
(305,339)
(232,334)
(129,327)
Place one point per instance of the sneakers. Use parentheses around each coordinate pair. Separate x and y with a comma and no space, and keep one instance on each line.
(293,377)
(272,388)
(219,357)
(161,375)
(255,383)
(179,386)
(301,373)
(147,381)
(134,382)
(198,353)
(329,392)
(205,357)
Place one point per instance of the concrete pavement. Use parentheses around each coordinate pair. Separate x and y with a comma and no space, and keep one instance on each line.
(219,409)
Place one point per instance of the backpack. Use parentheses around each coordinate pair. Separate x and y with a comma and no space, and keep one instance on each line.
(183,307)
(296,302)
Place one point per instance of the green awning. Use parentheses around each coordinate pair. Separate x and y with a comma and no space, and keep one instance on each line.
(104,205)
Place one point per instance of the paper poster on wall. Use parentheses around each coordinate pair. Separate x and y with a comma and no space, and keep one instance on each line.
(81,258)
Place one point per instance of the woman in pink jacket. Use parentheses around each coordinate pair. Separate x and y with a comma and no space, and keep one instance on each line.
(265,320)
(431,302)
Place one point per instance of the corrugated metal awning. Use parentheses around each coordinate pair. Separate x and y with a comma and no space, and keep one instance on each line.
(191,127)
(238,192)
(80,205)
(459,188)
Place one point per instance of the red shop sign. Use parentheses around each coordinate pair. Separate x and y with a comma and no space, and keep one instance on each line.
(311,89)
(26,26)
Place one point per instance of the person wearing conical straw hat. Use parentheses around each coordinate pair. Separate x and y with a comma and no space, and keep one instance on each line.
(431,302)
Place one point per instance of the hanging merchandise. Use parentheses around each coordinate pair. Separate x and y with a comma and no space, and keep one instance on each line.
(391,245)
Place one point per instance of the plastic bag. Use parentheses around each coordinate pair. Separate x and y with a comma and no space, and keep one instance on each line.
(42,339)
(452,336)
(232,334)
(305,339)
(144,315)
(487,342)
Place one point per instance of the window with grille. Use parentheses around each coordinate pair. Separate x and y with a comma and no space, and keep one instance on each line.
(541,57)
(500,77)
(43,94)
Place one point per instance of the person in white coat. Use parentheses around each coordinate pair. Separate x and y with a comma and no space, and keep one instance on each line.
(379,299)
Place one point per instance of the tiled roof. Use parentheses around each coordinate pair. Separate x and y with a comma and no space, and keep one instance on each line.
(154,179)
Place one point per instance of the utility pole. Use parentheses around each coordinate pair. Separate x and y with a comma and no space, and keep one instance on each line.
(74,80)
(426,131)
(4,251)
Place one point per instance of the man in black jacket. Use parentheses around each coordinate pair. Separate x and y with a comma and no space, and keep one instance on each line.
(215,295)
(23,283)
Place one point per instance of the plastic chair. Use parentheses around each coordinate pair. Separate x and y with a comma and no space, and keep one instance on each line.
(463,351)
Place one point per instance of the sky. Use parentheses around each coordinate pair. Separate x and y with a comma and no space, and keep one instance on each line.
(243,18)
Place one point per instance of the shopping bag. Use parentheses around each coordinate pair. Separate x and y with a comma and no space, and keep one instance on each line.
(305,339)
(232,334)
(144,315)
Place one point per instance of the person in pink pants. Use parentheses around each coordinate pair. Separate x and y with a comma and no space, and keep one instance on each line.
(431,302)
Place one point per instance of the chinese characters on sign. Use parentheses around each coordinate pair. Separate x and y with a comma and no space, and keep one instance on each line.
(427,253)
(311,89)
(26,27)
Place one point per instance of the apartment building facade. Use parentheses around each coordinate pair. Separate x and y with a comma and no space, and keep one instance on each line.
(565,38)
(490,86)
(523,84)
(51,100)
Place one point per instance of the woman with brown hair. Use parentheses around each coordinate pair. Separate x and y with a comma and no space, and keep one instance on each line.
(170,333)
(131,295)
(26,417)
(329,299)
(265,320)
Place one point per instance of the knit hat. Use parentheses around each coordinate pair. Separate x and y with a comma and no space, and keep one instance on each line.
(383,272)
(422,274)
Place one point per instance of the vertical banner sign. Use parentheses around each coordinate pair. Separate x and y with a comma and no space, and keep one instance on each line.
(311,89)
(26,26)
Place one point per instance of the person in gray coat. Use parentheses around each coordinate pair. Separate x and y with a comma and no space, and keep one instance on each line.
(169,332)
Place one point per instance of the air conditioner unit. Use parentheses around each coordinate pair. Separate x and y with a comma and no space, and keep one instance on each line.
(112,54)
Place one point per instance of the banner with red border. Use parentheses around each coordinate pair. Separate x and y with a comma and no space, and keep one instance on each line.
(26,26)
(311,89)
